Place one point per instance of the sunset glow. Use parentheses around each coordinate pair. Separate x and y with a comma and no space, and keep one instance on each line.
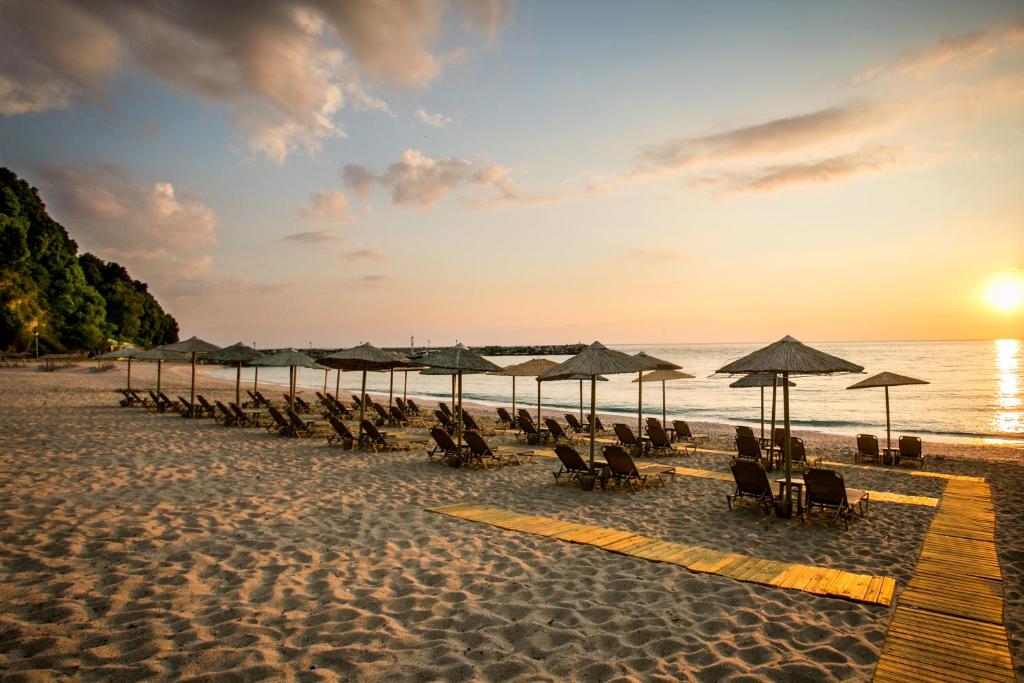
(1006,294)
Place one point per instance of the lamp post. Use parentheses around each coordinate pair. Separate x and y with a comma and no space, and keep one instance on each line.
(37,343)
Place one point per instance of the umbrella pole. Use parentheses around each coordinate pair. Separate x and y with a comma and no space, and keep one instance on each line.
(888,435)
(775,386)
(663,413)
(362,408)
(639,414)
(238,384)
(593,418)
(458,417)
(159,367)
(581,400)
(326,372)
(786,445)
(391,390)
(514,416)
(337,384)
(453,393)
(405,387)
(538,406)
(256,379)
(294,379)
(129,373)
(762,413)
(192,395)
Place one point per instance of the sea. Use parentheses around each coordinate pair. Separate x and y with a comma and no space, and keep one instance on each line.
(975,390)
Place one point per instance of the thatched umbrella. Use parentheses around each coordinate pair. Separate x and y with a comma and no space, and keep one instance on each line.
(663,376)
(886,379)
(127,353)
(160,355)
(291,359)
(365,357)
(530,368)
(196,347)
(648,363)
(762,381)
(580,379)
(237,354)
(592,362)
(789,357)
(462,361)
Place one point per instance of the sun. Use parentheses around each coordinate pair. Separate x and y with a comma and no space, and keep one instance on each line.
(1005,294)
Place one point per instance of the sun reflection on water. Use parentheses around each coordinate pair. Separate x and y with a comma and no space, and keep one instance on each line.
(1008,418)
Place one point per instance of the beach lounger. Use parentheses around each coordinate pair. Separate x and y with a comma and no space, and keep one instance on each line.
(357,403)
(481,452)
(444,447)
(598,427)
(280,423)
(623,471)
(867,449)
(798,454)
(573,466)
(376,440)
(242,419)
(659,439)
(743,430)
(444,421)
(204,407)
(185,409)
(470,423)
(301,406)
(827,490)
(263,400)
(224,415)
(445,408)
(751,482)
(167,403)
(341,433)
(528,431)
(382,414)
(397,417)
(302,427)
(684,434)
(575,425)
(413,408)
(525,414)
(748,448)
(910,451)
(626,438)
(253,401)
(556,430)
(505,419)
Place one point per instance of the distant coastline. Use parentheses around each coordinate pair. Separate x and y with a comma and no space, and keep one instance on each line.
(492,350)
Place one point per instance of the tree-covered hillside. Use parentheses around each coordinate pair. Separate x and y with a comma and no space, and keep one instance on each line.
(74,302)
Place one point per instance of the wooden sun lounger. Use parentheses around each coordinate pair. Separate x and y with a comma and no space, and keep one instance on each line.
(623,471)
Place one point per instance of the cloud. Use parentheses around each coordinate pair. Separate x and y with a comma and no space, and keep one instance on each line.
(161,236)
(783,135)
(435,120)
(313,238)
(364,255)
(818,172)
(373,281)
(420,180)
(276,65)
(966,48)
(326,207)
(486,16)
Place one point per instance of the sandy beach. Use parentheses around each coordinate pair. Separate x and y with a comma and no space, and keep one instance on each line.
(144,546)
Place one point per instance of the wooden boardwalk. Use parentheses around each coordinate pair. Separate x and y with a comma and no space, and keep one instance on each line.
(948,622)
(876,590)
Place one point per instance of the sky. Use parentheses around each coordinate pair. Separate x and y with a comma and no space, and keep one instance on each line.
(330,172)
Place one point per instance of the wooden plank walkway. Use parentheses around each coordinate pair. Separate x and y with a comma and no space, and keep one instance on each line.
(876,496)
(948,622)
(875,590)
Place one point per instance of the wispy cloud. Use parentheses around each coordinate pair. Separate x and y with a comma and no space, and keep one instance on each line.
(313,238)
(435,120)
(816,172)
(364,255)
(372,281)
(966,48)
(326,207)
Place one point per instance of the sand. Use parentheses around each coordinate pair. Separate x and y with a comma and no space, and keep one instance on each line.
(137,546)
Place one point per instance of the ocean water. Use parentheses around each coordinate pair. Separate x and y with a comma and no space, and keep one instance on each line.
(976,390)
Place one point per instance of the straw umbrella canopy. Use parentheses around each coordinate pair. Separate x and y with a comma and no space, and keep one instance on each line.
(530,368)
(291,359)
(663,376)
(762,381)
(238,354)
(160,355)
(580,379)
(127,353)
(789,357)
(886,380)
(196,347)
(366,357)
(591,362)
(462,361)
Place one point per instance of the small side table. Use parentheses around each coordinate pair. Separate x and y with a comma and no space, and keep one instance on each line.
(798,487)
